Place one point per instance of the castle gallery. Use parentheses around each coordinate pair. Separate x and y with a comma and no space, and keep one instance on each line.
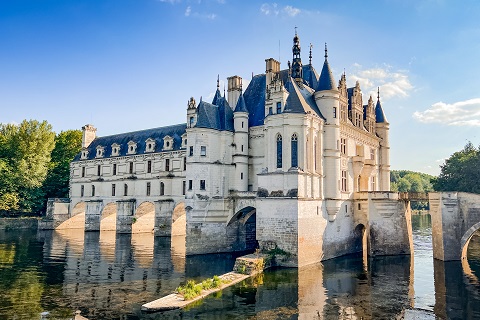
(295,161)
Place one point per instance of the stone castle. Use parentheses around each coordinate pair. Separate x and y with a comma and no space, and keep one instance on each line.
(295,162)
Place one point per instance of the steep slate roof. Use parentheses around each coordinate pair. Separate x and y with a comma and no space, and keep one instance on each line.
(379,115)
(157,134)
(326,81)
(310,75)
(255,100)
(218,117)
(241,107)
(300,99)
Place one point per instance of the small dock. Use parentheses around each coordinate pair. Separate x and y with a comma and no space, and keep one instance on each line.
(248,265)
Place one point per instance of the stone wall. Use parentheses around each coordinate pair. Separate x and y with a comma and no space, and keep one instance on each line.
(18,223)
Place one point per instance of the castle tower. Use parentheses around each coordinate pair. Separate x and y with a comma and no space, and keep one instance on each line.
(327,99)
(234,90)
(89,134)
(382,128)
(240,156)
(191,113)
(276,92)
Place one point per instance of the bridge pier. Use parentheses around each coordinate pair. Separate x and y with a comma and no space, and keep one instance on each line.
(125,212)
(93,215)
(163,217)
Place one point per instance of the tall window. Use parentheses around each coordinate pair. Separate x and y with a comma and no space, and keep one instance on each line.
(82,190)
(113,190)
(294,150)
(149,166)
(334,112)
(184,186)
(279,151)
(162,188)
(192,119)
(190,153)
(202,184)
(148,188)
(93,190)
(167,164)
(184,163)
(131,167)
(279,107)
(203,150)
(83,171)
(344,180)
(99,170)
(343,145)
(125,189)
(372,153)
(114,169)
(374,184)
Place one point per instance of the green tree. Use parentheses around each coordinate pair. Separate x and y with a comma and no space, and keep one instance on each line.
(25,153)
(67,145)
(460,172)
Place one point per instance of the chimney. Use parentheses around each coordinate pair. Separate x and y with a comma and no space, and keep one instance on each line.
(89,134)
(234,90)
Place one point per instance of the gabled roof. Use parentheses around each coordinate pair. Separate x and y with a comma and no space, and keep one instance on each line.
(218,117)
(139,137)
(326,81)
(255,100)
(300,99)
(241,107)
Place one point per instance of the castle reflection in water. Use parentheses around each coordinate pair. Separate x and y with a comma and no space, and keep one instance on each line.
(109,276)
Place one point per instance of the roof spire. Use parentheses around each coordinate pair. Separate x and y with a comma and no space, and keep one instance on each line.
(310,55)
(326,51)
(295,30)
(224,90)
(218,81)
(378,93)
(297,70)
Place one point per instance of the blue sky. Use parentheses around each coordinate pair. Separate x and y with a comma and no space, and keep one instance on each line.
(126,65)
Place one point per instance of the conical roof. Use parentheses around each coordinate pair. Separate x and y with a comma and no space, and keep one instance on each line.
(241,106)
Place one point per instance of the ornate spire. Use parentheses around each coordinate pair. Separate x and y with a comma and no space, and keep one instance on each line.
(378,93)
(326,52)
(297,70)
(310,55)
(218,81)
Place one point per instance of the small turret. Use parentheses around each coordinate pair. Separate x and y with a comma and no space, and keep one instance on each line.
(240,156)
(191,113)
(382,129)
(297,68)
(326,81)
(89,133)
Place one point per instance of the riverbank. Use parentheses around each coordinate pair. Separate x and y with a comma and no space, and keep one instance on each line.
(19,223)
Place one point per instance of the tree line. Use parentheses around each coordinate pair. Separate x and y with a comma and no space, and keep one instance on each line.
(34,165)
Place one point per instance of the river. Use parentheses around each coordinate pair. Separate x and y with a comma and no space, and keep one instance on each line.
(108,276)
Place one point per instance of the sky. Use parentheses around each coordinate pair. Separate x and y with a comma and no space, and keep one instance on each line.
(127,65)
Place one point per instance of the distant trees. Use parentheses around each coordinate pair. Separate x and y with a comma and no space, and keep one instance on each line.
(460,172)
(410,181)
(25,163)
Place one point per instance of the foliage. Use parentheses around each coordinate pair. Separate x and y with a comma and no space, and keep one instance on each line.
(67,145)
(410,181)
(460,172)
(25,151)
(191,289)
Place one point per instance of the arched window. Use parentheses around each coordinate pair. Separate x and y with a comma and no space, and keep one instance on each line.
(162,188)
(279,151)
(294,150)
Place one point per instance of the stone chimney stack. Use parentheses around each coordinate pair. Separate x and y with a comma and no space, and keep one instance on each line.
(234,90)
(89,134)
(273,67)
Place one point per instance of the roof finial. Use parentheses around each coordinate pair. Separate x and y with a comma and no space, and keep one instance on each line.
(326,51)
(310,56)
(378,93)
(295,30)
(218,81)
(224,90)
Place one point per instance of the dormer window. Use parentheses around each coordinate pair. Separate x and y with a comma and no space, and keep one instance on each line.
(184,140)
(100,152)
(115,149)
(149,145)
(132,147)
(167,143)
(84,154)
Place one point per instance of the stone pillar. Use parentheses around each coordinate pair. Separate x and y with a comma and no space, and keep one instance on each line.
(93,215)
(125,212)
(163,217)
(56,213)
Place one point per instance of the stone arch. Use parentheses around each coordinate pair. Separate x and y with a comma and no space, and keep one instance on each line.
(144,218)
(77,217)
(465,240)
(360,238)
(243,225)
(179,219)
(108,217)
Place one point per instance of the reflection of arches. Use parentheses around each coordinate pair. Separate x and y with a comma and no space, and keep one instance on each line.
(108,219)
(144,220)
(245,220)
(179,220)
(77,218)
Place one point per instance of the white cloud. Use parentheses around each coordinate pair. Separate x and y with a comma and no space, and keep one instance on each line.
(291,11)
(170,1)
(188,11)
(392,83)
(269,9)
(462,113)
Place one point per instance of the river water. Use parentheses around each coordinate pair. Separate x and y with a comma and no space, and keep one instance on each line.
(108,276)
